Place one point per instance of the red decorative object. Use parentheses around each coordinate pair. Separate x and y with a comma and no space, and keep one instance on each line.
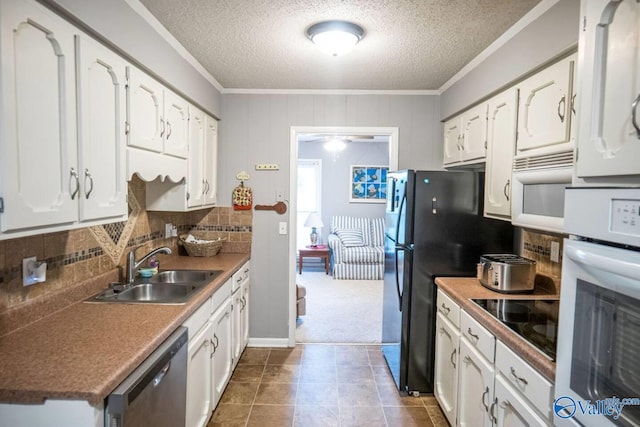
(242,198)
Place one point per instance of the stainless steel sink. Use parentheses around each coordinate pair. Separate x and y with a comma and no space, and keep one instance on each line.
(166,287)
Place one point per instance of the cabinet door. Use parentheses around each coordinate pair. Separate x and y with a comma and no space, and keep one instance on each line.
(474,134)
(210,165)
(145,112)
(452,136)
(195,183)
(501,141)
(446,367)
(236,325)
(199,390)
(246,291)
(101,105)
(38,171)
(609,128)
(511,409)
(176,134)
(221,355)
(475,387)
(544,113)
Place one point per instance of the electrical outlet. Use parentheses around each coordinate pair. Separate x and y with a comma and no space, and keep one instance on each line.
(555,252)
(170,230)
(267,167)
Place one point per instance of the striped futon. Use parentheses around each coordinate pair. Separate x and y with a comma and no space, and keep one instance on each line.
(361,255)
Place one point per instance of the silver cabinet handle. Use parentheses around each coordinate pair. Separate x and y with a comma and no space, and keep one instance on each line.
(573,103)
(458,143)
(162,130)
(561,106)
(505,404)
(208,186)
(215,344)
(520,379)
(491,416)
(168,129)
(462,142)
(453,355)
(74,177)
(506,187)
(486,405)
(467,359)
(445,308)
(472,334)
(88,175)
(634,120)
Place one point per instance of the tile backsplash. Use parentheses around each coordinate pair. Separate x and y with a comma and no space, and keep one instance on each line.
(77,255)
(537,246)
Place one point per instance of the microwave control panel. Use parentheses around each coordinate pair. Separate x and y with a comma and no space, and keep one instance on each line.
(625,216)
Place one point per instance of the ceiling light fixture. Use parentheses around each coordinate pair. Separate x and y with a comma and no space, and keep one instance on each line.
(335,37)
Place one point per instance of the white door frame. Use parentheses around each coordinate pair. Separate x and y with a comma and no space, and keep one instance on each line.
(391,132)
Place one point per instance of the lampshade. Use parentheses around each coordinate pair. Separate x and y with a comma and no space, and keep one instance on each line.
(313,220)
(335,37)
(335,144)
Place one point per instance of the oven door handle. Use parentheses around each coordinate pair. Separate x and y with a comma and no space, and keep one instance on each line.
(593,261)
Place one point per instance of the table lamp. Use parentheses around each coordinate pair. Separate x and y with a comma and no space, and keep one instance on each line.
(313,221)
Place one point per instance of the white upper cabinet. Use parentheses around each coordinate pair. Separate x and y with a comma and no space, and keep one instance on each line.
(609,78)
(210,160)
(501,139)
(158,118)
(544,112)
(39,176)
(196,185)
(101,131)
(145,112)
(465,137)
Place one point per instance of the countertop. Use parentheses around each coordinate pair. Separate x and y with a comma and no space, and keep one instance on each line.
(462,290)
(85,350)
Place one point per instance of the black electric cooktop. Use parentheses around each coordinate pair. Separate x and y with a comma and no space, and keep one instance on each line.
(534,320)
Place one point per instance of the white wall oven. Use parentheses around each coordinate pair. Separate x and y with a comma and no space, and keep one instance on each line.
(598,355)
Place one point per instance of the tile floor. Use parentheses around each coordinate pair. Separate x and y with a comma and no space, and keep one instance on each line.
(319,385)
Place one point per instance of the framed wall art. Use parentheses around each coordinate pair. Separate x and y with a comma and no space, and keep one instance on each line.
(368,184)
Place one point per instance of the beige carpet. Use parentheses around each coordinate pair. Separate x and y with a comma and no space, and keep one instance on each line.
(340,311)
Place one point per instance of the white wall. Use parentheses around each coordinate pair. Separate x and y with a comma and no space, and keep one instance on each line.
(256,129)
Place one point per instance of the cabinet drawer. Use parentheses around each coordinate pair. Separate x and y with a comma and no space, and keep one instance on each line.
(221,295)
(449,309)
(525,379)
(240,276)
(478,336)
(198,319)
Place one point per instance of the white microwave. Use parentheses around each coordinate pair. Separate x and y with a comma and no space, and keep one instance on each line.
(537,195)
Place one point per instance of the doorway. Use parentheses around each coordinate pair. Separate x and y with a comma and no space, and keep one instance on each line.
(334,186)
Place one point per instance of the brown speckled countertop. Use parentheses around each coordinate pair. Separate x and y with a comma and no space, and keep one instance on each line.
(463,289)
(85,350)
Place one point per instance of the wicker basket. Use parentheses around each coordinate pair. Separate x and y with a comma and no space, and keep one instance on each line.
(202,249)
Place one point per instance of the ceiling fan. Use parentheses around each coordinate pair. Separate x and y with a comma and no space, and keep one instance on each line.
(329,137)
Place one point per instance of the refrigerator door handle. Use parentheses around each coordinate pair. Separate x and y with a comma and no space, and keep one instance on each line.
(404,248)
(402,206)
(392,194)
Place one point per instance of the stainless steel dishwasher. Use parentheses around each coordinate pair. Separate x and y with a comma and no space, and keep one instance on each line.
(155,394)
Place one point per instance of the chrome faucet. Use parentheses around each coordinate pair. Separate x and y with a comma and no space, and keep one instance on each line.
(132,264)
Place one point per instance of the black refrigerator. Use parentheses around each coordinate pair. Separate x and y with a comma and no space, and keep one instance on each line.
(434,226)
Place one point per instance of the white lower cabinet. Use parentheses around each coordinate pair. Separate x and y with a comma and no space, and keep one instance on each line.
(199,392)
(475,387)
(221,351)
(471,389)
(244,313)
(446,367)
(240,311)
(511,409)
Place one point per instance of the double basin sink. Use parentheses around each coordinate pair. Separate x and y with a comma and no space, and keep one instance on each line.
(166,287)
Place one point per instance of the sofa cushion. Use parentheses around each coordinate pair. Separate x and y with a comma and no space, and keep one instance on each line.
(350,237)
(363,255)
(344,222)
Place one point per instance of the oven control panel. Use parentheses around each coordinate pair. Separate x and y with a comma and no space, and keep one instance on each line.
(625,216)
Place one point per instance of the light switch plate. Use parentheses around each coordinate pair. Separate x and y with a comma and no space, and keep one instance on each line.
(282,228)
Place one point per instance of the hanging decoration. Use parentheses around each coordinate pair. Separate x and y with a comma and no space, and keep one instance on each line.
(242,196)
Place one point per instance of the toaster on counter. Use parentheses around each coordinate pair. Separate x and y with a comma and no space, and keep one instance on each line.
(507,273)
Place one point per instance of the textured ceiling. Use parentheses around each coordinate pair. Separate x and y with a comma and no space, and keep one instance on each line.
(409,44)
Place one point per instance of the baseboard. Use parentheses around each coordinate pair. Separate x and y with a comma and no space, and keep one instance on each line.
(268,342)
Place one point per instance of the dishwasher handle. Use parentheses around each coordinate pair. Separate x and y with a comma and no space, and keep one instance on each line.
(158,379)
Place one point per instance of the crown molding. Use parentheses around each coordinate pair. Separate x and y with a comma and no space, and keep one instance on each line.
(327,92)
